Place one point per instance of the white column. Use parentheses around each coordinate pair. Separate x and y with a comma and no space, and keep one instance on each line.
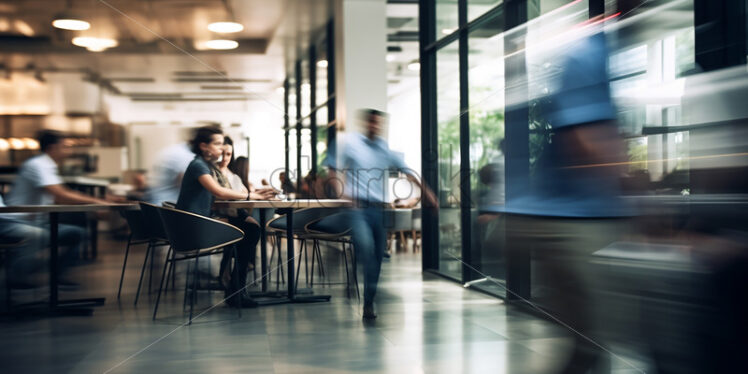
(360,59)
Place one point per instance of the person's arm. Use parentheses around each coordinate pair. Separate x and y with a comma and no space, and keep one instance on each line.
(64,195)
(207,181)
(427,196)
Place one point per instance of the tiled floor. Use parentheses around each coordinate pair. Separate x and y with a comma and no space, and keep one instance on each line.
(425,325)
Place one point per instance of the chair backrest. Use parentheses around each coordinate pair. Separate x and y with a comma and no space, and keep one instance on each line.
(337,224)
(153,225)
(398,219)
(301,218)
(137,224)
(189,232)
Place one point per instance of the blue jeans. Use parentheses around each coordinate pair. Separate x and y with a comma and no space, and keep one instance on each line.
(25,259)
(368,236)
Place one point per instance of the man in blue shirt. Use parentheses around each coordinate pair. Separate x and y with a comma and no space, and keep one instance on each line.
(365,163)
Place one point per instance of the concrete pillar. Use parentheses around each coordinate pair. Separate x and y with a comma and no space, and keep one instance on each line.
(360,59)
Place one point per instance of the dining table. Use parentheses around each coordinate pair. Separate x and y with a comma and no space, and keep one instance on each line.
(264,206)
(55,306)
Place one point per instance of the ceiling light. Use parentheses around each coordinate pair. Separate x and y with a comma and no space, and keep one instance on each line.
(279,90)
(94,44)
(221,44)
(414,66)
(4,145)
(390,57)
(225,27)
(322,63)
(448,31)
(71,24)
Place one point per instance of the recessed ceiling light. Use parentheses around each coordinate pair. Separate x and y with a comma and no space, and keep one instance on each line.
(414,66)
(225,27)
(221,44)
(94,44)
(71,24)
(390,57)
(322,63)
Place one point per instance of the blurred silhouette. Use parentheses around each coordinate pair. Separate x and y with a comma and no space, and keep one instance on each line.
(168,172)
(364,166)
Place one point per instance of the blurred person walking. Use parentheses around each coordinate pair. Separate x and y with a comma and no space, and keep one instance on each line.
(364,166)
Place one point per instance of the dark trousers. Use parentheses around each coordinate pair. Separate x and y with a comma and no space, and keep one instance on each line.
(246,249)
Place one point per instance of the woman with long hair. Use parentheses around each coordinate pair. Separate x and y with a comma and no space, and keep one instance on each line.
(200,189)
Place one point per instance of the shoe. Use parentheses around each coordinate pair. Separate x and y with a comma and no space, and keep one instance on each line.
(387,255)
(369,312)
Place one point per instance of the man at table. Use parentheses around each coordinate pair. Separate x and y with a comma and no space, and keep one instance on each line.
(364,164)
(39,183)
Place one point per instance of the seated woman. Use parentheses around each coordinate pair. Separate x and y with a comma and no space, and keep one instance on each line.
(199,190)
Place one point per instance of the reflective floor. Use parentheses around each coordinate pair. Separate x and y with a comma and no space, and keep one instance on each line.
(425,325)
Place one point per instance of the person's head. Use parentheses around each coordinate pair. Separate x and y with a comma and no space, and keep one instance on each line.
(373,122)
(208,143)
(228,153)
(53,144)
(282,177)
(240,167)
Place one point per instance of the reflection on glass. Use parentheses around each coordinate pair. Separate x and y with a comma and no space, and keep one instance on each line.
(477,8)
(486,95)
(446,18)
(448,133)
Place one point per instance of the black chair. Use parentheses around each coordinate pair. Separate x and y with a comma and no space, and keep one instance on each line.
(301,218)
(154,229)
(193,236)
(139,234)
(333,229)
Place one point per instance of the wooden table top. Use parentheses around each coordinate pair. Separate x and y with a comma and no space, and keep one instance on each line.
(295,204)
(65,208)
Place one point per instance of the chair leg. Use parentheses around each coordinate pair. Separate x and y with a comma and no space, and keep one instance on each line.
(169,272)
(124,264)
(150,274)
(306,260)
(355,269)
(195,278)
(142,271)
(280,260)
(271,240)
(347,274)
(319,261)
(314,255)
(236,278)
(298,265)
(161,287)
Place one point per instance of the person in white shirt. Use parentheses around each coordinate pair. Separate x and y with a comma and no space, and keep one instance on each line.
(39,183)
(168,172)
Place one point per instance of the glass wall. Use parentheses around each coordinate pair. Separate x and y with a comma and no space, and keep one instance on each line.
(464,108)
(448,132)
(316,116)
(486,121)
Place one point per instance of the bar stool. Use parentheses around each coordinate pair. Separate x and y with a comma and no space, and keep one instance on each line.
(193,236)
